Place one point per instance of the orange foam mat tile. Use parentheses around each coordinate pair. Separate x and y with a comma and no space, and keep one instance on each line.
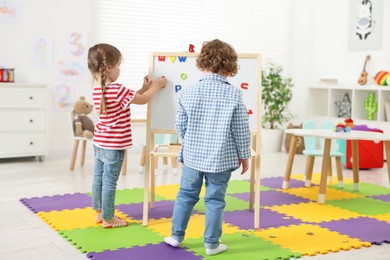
(316,178)
(312,240)
(75,218)
(311,193)
(194,230)
(314,212)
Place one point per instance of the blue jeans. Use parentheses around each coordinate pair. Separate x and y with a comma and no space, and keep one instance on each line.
(108,165)
(188,195)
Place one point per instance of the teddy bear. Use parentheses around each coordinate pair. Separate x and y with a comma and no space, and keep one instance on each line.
(83,125)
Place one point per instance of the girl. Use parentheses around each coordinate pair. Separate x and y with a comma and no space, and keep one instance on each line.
(112,133)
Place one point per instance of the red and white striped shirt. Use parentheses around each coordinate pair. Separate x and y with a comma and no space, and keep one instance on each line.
(113,130)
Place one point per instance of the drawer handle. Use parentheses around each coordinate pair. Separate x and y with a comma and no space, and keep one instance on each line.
(31,121)
(31,143)
(31,97)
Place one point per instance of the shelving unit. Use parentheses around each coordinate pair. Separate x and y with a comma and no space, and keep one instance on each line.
(24,116)
(322,98)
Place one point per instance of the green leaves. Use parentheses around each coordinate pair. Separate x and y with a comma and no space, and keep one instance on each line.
(276,94)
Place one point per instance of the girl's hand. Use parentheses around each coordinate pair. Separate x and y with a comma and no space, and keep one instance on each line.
(161,81)
(147,82)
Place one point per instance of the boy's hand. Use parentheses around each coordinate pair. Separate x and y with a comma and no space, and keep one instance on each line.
(245,165)
(161,81)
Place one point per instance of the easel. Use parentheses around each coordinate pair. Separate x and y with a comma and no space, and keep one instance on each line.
(153,152)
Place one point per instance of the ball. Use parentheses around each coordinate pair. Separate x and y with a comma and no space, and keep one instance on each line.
(382,78)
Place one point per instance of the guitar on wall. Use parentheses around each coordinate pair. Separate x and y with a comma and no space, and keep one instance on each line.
(363,76)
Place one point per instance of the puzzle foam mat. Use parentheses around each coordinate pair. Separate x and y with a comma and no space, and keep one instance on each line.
(292,223)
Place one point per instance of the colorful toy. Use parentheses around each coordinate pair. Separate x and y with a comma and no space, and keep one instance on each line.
(382,78)
(344,106)
(371,106)
(344,127)
(7,75)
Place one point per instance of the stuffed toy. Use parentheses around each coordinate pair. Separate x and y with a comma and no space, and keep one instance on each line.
(83,125)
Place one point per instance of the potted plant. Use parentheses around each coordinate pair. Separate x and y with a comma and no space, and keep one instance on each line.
(276,94)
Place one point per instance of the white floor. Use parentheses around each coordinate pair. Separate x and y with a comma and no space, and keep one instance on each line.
(24,236)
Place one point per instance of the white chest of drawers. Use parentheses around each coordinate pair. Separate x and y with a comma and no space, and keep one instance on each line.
(23,116)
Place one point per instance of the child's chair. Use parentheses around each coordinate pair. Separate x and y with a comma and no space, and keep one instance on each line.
(311,152)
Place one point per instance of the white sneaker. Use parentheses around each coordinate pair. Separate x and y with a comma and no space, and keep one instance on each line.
(221,248)
(172,242)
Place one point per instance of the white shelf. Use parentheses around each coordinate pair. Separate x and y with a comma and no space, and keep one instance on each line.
(322,100)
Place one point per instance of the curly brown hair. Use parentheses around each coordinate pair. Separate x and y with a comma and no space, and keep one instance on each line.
(99,57)
(218,57)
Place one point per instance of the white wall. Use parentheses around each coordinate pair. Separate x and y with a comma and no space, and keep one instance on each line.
(318,49)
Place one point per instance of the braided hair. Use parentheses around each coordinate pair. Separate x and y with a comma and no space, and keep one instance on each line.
(99,57)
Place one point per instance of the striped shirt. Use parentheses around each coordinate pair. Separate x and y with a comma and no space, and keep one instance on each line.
(113,130)
(213,124)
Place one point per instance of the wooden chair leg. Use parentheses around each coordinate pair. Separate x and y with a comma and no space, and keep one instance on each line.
(83,148)
(74,153)
(309,170)
(174,162)
(124,163)
(330,173)
(339,168)
(152,181)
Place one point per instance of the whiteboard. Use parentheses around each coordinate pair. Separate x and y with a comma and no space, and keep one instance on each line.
(181,71)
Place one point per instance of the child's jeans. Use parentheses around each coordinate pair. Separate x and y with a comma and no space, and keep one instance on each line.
(188,195)
(108,165)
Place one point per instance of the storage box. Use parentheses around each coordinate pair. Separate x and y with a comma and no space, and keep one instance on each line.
(370,153)
(7,75)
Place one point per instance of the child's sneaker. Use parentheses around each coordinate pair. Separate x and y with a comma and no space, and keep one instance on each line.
(114,223)
(98,218)
(221,248)
(172,242)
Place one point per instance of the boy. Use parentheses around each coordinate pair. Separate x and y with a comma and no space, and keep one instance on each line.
(212,122)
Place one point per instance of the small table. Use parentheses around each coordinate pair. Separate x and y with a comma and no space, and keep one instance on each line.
(328,135)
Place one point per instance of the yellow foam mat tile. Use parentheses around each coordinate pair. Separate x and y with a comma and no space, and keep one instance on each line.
(312,240)
(316,178)
(314,212)
(383,217)
(311,193)
(170,191)
(75,218)
(195,227)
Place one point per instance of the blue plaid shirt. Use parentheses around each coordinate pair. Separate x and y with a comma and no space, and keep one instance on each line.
(212,122)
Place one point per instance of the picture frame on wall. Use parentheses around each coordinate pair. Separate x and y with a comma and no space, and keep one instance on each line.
(365,31)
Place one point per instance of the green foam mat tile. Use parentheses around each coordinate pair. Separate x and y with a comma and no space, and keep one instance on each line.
(238,186)
(365,206)
(128,196)
(232,204)
(366,189)
(99,239)
(242,246)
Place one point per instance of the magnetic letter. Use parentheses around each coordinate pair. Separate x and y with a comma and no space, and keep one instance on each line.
(182,59)
(244,85)
(177,88)
(172,59)
(161,58)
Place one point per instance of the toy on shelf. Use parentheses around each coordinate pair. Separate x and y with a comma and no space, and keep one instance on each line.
(382,78)
(344,106)
(371,106)
(344,127)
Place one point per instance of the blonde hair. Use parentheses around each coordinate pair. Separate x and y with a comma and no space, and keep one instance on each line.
(99,57)
(218,57)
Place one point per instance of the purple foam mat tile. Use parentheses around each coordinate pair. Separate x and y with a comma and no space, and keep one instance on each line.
(277,182)
(272,198)
(382,197)
(162,209)
(244,219)
(365,229)
(57,202)
(160,251)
